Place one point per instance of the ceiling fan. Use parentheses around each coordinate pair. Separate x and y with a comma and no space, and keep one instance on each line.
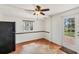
(38,10)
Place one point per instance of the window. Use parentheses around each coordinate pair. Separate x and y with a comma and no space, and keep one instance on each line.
(69,27)
(28,25)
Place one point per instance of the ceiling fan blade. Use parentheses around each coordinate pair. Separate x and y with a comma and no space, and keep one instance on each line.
(42,13)
(38,7)
(21,9)
(44,9)
(14,6)
(28,10)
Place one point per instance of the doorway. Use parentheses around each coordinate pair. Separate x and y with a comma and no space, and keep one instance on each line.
(71,32)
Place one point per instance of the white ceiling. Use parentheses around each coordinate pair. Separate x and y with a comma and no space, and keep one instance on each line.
(18,9)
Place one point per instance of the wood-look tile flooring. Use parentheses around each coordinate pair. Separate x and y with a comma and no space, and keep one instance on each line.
(39,46)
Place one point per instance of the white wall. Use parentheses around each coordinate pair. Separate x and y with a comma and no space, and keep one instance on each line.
(54,25)
(48,28)
(16,15)
(38,26)
(57,29)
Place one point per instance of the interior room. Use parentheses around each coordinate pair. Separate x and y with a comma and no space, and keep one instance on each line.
(39,28)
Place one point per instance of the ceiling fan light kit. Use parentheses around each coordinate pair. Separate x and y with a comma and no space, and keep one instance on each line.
(36,12)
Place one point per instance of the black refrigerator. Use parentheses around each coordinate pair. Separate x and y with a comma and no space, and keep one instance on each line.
(7,37)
